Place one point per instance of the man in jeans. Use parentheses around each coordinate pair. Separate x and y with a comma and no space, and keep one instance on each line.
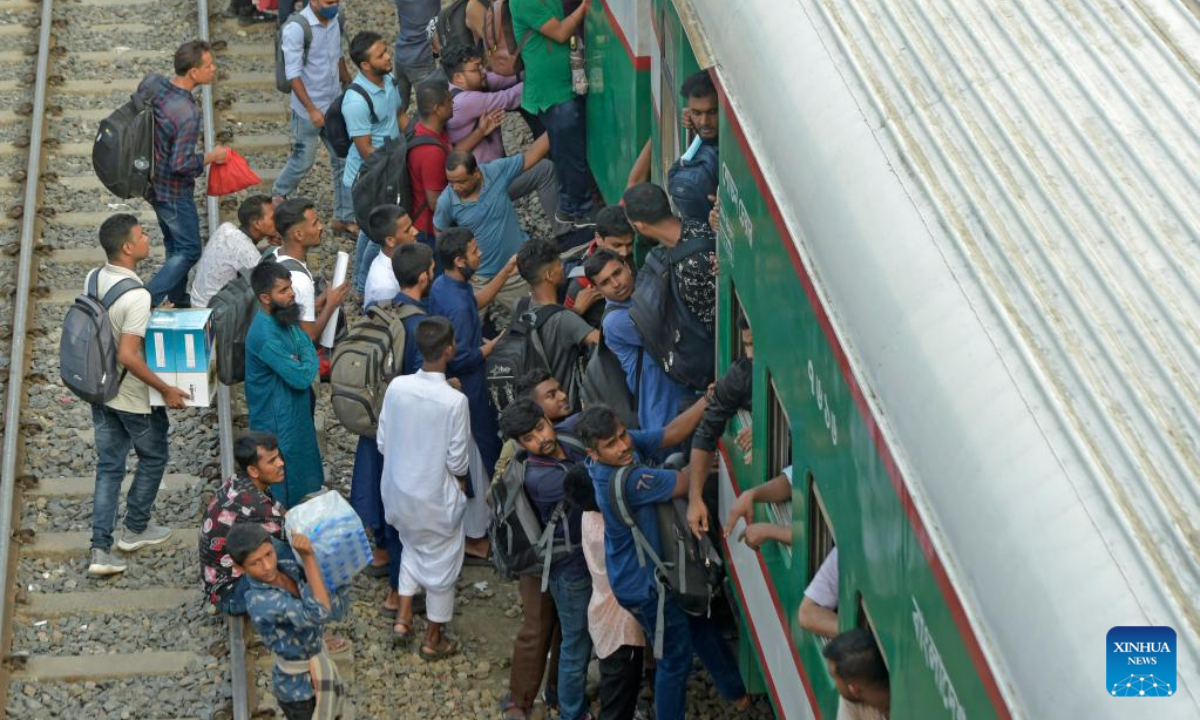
(128,419)
(316,82)
(549,93)
(177,165)
(570,583)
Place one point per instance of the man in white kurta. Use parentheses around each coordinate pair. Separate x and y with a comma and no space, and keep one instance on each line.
(425,437)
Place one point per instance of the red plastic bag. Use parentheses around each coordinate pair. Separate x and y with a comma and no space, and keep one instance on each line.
(268,5)
(231,176)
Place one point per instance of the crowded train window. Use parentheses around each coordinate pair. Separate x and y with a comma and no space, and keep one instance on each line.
(779,455)
(736,317)
(820,535)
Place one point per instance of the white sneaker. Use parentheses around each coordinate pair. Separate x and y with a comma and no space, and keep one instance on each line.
(105,563)
(152,535)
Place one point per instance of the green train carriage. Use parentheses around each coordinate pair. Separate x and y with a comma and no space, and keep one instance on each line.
(961,235)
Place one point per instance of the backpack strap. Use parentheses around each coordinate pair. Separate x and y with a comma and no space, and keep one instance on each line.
(366,96)
(541,315)
(620,505)
(412,141)
(545,543)
(116,291)
(293,265)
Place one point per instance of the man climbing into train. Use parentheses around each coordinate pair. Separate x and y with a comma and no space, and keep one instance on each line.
(692,179)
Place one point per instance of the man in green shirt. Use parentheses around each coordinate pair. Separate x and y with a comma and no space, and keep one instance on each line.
(545,32)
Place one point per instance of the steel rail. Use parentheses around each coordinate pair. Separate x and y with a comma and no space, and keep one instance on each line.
(234,623)
(20,324)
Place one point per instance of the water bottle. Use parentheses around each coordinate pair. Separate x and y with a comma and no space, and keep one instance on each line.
(579,81)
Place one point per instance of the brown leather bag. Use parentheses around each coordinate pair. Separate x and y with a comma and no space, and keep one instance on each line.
(501,51)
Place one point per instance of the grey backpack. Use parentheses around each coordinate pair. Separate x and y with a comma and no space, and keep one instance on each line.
(282,84)
(87,352)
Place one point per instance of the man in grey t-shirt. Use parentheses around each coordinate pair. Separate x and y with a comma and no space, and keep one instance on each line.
(413,57)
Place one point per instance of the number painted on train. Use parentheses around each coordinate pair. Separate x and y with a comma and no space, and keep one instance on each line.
(818,392)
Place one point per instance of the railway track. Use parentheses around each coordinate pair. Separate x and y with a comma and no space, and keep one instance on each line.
(140,644)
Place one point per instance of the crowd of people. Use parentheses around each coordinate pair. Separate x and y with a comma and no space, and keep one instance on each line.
(464,276)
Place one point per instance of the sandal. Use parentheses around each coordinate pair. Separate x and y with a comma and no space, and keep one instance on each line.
(402,638)
(337,645)
(377,571)
(444,649)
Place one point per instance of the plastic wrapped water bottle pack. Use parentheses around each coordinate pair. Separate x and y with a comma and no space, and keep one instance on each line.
(336,533)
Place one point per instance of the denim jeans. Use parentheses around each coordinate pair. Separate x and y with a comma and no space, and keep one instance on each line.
(116,431)
(571,599)
(566,123)
(180,224)
(682,636)
(364,254)
(304,153)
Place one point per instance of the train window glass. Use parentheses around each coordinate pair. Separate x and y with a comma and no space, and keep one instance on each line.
(779,455)
(738,349)
(820,534)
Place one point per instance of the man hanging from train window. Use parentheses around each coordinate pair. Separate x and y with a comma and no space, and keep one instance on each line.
(692,179)
(860,674)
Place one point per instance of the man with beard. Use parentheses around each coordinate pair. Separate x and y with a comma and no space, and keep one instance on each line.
(281,364)
(300,230)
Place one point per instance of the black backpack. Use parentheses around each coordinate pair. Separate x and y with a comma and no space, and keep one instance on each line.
(519,351)
(451,28)
(282,84)
(690,182)
(123,153)
(335,130)
(603,382)
(675,338)
(233,309)
(87,351)
(689,568)
(383,178)
(521,543)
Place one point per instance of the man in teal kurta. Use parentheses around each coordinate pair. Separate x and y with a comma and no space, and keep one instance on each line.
(281,364)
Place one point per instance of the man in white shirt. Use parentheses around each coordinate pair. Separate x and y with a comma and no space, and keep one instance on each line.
(425,437)
(299,229)
(128,420)
(316,76)
(233,247)
(389,227)
(860,675)
(818,609)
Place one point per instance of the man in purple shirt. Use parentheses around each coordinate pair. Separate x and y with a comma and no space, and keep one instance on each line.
(475,93)
(177,165)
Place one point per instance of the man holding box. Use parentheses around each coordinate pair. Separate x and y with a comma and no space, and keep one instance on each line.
(281,364)
(128,419)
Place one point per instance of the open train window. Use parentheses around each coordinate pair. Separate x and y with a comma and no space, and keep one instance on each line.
(738,349)
(820,534)
(863,620)
(779,455)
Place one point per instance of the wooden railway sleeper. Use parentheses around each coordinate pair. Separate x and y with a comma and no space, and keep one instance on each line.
(24,536)
(16,661)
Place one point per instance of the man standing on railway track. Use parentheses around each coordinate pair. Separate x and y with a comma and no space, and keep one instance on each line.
(281,364)
(177,121)
(316,71)
(128,420)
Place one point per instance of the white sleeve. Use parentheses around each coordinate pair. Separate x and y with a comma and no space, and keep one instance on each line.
(306,295)
(458,449)
(292,44)
(823,590)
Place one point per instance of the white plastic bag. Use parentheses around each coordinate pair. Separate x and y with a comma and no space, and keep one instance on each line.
(336,533)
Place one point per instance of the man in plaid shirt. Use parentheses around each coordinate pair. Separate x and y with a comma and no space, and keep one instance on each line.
(177,165)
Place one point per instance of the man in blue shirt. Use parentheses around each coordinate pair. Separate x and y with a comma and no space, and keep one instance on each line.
(659,397)
(412,265)
(546,465)
(611,447)
(453,297)
(479,197)
(369,127)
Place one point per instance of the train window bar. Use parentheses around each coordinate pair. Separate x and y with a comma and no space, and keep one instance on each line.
(779,456)
(820,534)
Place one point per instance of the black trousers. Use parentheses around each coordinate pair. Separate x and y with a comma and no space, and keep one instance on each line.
(620,683)
(301,710)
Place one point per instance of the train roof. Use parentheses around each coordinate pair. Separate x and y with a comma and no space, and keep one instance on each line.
(998,205)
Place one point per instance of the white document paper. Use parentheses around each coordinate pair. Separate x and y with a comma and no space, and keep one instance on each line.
(339,277)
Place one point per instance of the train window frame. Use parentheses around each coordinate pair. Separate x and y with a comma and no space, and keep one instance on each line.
(779,455)
(862,619)
(821,538)
(671,120)
(737,349)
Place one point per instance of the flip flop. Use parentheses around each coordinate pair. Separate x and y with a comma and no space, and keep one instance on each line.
(444,649)
(337,645)
(401,639)
(388,612)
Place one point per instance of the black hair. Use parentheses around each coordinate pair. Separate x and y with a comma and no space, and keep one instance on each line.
(244,538)
(698,85)
(455,56)
(533,257)
(360,46)
(596,423)
(520,417)
(409,262)
(434,335)
(530,380)
(578,489)
(264,276)
(381,222)
(430,94)
(190,55)
(453,245)
(646,202)
(611,221)
(598,261)
(246,447)
(252,210)
(856,658)
(115,232)
(463,159)
(290,213)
